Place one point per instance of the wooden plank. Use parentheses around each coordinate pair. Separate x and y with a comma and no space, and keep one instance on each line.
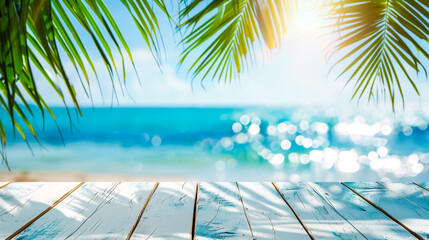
(412,216)
(372,223)
(94,211)
(220,213)
(270,217)
(411,192)
(423,185)
(320,218)
(20,202)
(3,184)
(44,212)
(169,212)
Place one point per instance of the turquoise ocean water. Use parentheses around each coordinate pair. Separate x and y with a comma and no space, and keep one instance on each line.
(246,144)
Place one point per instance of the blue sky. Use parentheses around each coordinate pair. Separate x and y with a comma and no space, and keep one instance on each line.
(296,74)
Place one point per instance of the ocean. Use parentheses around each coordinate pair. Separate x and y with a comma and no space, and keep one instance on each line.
(228,144)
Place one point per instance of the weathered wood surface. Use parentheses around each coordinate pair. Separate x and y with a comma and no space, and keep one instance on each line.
(3,184)
(411,192)
(220,213)
(322,220)
(269,216)
(169,213)
(21,202)
(372,223)
(112,210)
(409,213)
(423,185)
(94,211)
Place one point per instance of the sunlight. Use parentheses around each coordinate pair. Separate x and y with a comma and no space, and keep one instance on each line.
(307,17)
(304,49)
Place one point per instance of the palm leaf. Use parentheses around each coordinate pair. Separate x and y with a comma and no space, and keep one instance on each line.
(34,33)
(222,34)
(378,42)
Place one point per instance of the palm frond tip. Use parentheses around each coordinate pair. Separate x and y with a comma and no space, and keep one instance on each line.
(33,36)
(379,42)
(223,33)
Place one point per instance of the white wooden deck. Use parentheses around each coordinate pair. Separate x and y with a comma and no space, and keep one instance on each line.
(225,210)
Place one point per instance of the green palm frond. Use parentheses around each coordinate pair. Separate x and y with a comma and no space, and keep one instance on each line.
(223,33)
(379,43)
(34,33)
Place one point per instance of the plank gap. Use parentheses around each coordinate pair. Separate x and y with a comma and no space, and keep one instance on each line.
(245,211)
(293,211)
(142,211)
(384,212)
(43,213)
(421,186)
(328,203)
(381,184)
(194,215)
(5,185)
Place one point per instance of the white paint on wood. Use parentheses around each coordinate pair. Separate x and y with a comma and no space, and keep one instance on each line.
(321,219)
(367,219)
(411,192)
(220,213)
(94,211)
(169,213)
(270,217)
(410,214)
(20,202)
(2,184)
(424,185)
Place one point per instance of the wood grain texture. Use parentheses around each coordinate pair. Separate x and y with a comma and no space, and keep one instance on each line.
(409,213)
(372,223)
(223,210)
(321,219)
(21,202)
(220,213)
(270,217)
(411,192)
(169,212)
(94,211)
(25,226)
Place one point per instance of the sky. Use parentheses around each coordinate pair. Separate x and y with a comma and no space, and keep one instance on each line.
(294,75)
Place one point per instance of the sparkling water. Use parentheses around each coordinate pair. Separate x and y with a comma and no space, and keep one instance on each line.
(253,144)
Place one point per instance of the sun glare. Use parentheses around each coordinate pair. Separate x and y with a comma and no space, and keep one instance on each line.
(304,46)
(307,18)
